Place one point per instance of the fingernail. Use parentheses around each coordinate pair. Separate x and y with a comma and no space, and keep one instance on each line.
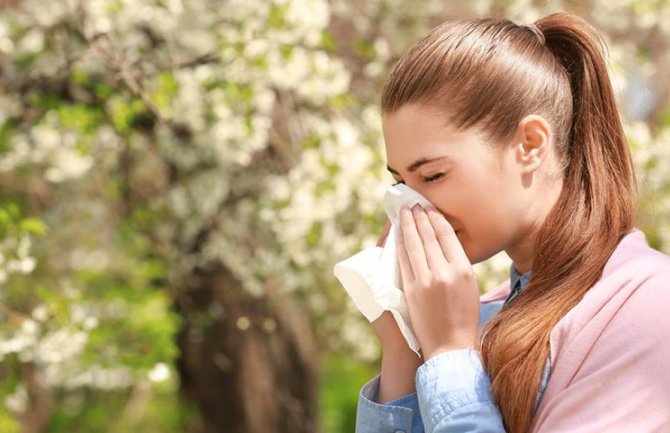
(416,208)
(430,208)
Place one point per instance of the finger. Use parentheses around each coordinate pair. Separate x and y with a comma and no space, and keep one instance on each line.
(413,245)
(385,232)
(451,246)
(406,273)
(435,256)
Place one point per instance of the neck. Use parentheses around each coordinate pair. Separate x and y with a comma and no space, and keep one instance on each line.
(522,255)
(522,248)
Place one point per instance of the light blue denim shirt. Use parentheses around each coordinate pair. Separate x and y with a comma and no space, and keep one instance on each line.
(453,391)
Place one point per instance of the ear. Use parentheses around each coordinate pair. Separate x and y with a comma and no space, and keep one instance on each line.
(534,142)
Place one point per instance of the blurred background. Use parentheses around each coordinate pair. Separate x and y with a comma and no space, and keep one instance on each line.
(178,178)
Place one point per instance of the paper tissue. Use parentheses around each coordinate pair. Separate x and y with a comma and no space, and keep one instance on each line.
(372,276)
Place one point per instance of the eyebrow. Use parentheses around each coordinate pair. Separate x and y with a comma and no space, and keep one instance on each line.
(416,164)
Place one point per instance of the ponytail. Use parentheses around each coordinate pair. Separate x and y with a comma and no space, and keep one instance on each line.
(594,211)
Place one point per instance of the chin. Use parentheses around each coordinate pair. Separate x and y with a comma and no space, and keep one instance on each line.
(474,254)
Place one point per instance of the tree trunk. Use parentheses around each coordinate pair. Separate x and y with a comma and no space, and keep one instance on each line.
(40,409)
(247,363)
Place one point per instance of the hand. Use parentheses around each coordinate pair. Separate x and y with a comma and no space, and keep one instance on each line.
(439,285)
(399,362)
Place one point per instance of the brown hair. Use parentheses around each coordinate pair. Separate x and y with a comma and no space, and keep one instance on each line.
(490,73)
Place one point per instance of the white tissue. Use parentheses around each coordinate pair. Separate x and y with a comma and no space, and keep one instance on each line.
(372,276)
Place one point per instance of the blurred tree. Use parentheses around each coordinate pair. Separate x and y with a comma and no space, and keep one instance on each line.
(160,132)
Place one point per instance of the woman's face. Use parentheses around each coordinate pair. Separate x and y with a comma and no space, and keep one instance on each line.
(479,187)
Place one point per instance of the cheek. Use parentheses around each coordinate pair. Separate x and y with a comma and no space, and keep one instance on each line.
(480,219)
(474,205)
(476,200)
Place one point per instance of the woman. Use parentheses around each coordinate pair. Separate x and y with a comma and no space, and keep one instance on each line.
(512,133)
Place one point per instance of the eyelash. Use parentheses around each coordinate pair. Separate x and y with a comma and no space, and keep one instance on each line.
(426,179)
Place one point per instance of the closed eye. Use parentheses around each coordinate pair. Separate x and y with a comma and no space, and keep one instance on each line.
(433,177)
(425,179)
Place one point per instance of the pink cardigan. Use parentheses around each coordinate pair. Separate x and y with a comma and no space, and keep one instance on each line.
(610,354)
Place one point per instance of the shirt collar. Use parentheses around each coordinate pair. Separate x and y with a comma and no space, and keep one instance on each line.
(516,276)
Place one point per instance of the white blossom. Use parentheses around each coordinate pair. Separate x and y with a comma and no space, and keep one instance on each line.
(160,373)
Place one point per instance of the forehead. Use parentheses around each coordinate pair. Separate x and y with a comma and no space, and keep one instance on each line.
(414,132)
(415,121)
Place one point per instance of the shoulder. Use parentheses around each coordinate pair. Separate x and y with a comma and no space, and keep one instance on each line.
(633,256)
(645,293)
(627,338)
(615,344)
(638,277)
(626,311)
(635,274)
(635,281)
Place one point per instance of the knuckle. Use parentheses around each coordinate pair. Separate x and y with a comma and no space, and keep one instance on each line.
(466,273)
(411,243)
(440,275)
(422,225)
(445,280)
(425,282)
(406,225)
(442,283)
(446,228)
(411,291)
(421,216)
(443,232)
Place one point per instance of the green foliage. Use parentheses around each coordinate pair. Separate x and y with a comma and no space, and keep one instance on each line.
(124,112)
(8,422)
(341,383)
